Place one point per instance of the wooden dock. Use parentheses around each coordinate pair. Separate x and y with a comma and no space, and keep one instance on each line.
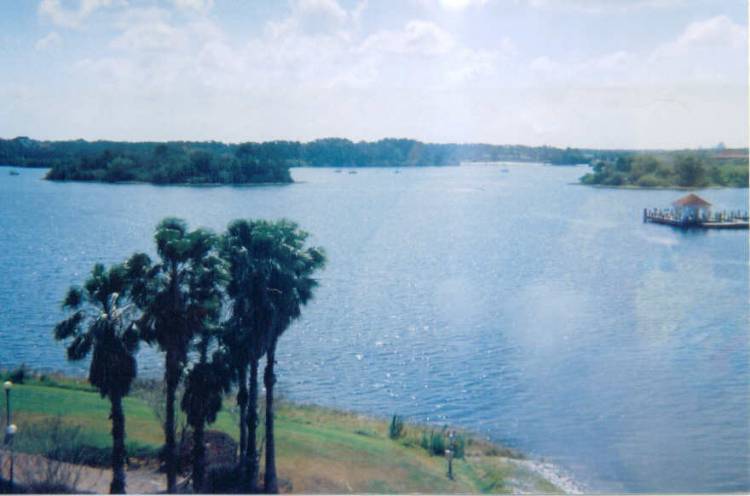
(731,220)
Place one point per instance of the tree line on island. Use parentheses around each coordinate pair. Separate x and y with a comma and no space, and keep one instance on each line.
(214,305)
(696,169)
(215,162)
(212,162)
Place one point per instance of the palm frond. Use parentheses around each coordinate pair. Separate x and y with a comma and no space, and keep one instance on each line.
(69,327)
(80,347)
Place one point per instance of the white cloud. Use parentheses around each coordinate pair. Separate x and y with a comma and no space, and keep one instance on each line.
(417,37)
(315,17)
(544,64)
(70,17)
(602,6)
(151,36)
(460,4)
(711,50)
(718,32)
(201,6)
(48,42)
(165,69)
(471,66)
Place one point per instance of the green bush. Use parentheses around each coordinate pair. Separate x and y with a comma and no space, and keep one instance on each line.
(436,442)
(62,442)
(424,442)
(459,445)
(396,429)
(649,181)
(693,169)
(224,479)
(19,374)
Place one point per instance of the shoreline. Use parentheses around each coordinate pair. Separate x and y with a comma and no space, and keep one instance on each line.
(556,475)
(655,188)
(485,465)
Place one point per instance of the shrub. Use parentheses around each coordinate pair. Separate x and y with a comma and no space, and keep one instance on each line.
(437,443)
(396,429)
(424,443)
(459,443)
(649,181)
(224,479)
(57,442)
(18,375)
(615,179)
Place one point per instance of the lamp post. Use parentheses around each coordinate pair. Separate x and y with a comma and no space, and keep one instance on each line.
(449,453)
(10,429)
(7,385)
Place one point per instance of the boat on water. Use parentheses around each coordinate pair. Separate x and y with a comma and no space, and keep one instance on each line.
(692,211)
(14,173)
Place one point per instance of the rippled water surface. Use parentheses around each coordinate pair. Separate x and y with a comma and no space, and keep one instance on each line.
(543,314)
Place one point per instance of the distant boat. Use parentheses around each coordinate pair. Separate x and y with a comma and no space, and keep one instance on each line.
(14,173)
(338,171)
(352,172)
(397,171)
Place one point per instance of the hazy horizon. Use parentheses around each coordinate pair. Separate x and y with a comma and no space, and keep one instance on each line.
(636,75)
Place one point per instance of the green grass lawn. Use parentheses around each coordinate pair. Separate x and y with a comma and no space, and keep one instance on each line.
(319,450)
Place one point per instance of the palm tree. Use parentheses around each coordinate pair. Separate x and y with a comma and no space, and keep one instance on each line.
(248,259)
(290,266)
(205,385)
(207,380)
(172,310)
(102,323)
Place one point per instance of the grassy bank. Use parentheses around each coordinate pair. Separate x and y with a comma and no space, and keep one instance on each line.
(319,450)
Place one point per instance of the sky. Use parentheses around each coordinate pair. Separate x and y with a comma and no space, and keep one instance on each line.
(579,73)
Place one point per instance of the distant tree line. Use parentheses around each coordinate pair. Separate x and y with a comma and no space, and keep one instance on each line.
(215,162)
(696,169)
(214,306)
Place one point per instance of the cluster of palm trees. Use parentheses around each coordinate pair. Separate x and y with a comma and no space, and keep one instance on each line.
(214,305)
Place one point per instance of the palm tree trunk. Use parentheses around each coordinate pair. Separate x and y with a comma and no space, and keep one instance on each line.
(170,447)
(270,481)
(118,446)
(252,427)
(242,403)
(199,456)
(172,373)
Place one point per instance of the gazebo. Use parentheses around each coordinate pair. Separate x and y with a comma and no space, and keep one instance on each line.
(691,208)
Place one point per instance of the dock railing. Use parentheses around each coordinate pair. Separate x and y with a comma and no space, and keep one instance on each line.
(669,216)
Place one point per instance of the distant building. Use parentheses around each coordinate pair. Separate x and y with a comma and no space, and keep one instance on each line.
(691,207)
(731,154)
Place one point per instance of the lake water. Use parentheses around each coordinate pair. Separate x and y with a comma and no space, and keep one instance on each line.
(540,313)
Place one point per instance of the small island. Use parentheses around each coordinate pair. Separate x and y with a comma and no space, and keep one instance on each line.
(674,170)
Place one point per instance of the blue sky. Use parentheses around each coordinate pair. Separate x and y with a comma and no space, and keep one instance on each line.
(586,73)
